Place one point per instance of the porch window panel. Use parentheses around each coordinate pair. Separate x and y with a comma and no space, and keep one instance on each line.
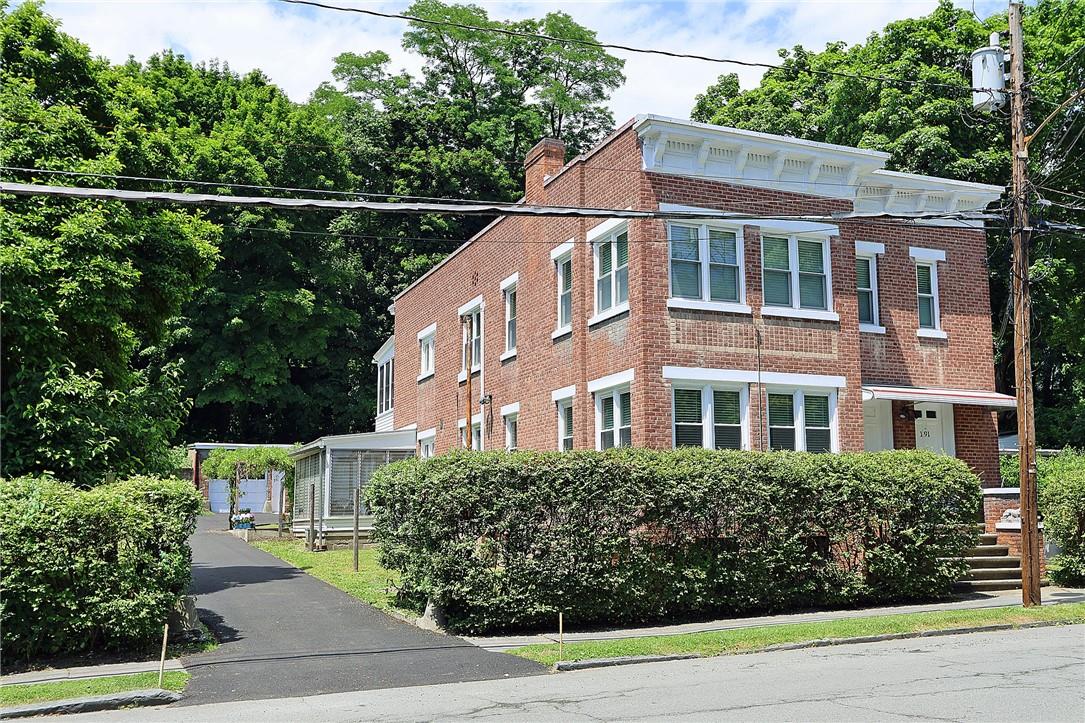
(688,419)
(816,416)
(776,273)
(781,421)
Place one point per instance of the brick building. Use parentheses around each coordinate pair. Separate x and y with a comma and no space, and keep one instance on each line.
(766,332)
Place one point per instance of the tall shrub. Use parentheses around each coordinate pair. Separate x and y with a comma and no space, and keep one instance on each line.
(91,570)
(506,540)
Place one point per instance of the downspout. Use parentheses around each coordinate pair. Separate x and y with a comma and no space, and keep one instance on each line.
(760,393)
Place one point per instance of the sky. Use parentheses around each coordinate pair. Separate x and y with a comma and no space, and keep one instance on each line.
(295,46)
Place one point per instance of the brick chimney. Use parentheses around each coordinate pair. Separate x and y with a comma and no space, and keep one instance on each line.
(545,159)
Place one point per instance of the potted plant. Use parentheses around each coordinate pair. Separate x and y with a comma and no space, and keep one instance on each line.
(244,519)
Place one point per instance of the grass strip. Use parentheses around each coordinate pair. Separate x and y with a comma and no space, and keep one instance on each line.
(26,693)
(743,640)
(372,583)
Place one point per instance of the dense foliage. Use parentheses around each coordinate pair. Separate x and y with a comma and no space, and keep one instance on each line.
(116,316)
(244,463)
(507,540)
(933,130)
(91,570)
(1061,483)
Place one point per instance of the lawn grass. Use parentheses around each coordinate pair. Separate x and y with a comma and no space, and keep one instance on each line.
(742,640)
(371,584)
(23,694)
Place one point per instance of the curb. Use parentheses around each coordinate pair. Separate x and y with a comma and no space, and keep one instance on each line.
(113,701)
(570,665)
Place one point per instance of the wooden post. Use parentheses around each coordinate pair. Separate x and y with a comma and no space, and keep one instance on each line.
(162,660)
(357,495)
(1022,311)
(312,516)
(561,636)
(282,506)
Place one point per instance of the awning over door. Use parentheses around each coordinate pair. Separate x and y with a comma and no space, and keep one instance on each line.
(943,396)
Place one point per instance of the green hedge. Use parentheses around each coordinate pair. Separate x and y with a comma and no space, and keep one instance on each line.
(1060,481)
(94,569)
(506,540)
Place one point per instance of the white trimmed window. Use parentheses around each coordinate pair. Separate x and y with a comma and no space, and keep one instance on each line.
(565,293)
(926,285)
(614,416)
(612,272)
(427,443)
(508,291)
(474,341)
(866,285)
(565,424)
(476,434)
(795,272)
(385,385)
(706,264)
(426,351)
(710,416)
(511,429)
(802,420)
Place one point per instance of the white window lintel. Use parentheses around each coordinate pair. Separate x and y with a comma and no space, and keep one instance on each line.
(742,376)
(510,281)
(562,250)
(610,381)
(429,331)
(475,419)
(606,227)
(427,434)
(869,248)
(474,304)
(564,393)
(928,255)
(510,409)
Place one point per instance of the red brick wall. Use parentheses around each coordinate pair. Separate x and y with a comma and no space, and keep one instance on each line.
(651,335)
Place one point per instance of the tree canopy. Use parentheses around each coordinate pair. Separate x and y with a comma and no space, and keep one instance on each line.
(932,129)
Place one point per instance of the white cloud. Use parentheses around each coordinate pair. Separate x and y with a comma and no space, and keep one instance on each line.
(294,46)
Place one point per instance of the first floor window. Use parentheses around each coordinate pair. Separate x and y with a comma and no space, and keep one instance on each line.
(719,409)
(727,418)
(800,420)
(688,419)
(476,436)
(510,432)
(925,290)
(426,448)
(615,419)
(565,425)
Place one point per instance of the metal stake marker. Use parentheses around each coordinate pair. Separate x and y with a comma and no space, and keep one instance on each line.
(162,660)
(357,494)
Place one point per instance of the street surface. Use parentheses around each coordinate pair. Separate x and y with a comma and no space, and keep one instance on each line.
(1023,675)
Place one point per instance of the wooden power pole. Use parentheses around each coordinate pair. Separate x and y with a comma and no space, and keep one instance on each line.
(467,363)
(1021,232)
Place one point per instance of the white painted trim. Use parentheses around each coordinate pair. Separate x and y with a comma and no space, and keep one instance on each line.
(510,281)
(564,393)
(505,356)
(871,329)
(427,434)
(931,333)
(561,250)
(609,313)
(869,248)
(424,377)
(561,331)
(924,254)
(508,409)
(386,352)
(742,376)
(1001,491)
(602,229)
(475,303)
(610,381)
(428,331)
(476,418)
(787,311)
(697,305)
(811,228)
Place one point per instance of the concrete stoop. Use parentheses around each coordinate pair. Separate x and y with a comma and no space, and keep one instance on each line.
(991,567)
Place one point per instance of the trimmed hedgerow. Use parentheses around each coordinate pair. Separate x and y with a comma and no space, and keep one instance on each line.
(96,569)
(506,540)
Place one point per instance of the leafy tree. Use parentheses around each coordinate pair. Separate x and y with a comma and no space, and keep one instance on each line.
(92,288)
(933,130)
(235,465)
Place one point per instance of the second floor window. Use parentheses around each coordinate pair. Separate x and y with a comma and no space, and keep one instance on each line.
(795,272)
(925,291)
(510,319)
(426,356)
(472,338)
(705,263)
(612,271)
(385,385)
(866,289)
(565,292)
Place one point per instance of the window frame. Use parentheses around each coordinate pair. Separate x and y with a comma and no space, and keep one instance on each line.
(933,296)
(509,288)
(704,263)
(870,251)
(798,410)
(477,308)
(929,258)
(609,239)
(559,256)
(386,386)
(427,439)
(708,416)
(476,432)
(565,408)
(796,309)
(427,339)
(613,397)
(512,422)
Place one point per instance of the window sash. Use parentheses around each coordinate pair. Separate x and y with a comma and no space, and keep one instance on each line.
(615,419)
(475,341)
(510,319)
(802,420)
(705,263)
(565,292)
(612,271)
(565,425)
(710,416)
(511,430)
(425,355)
(796,272)
(926,276)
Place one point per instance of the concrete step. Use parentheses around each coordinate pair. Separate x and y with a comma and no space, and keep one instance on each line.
(989,551)
(987,585)
(988,538)
(994,573)
(993,561)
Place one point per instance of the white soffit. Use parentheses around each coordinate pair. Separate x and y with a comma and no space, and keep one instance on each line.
(944,396)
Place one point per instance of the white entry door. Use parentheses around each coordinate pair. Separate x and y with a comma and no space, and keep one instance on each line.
(934,428)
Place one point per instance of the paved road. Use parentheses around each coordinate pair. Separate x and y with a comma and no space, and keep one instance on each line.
(1022,675)
(286,634)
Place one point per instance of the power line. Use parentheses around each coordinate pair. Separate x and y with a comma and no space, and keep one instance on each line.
(629,48)
(477,209)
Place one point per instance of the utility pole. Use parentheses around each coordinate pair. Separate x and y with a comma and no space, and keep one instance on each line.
(468,320)
(1021,232)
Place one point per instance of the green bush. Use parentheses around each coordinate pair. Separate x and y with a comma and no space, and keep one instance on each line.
(1060,481)
(94,569)
(506,540)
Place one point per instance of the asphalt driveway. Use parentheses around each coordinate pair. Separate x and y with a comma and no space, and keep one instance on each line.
(286,634)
